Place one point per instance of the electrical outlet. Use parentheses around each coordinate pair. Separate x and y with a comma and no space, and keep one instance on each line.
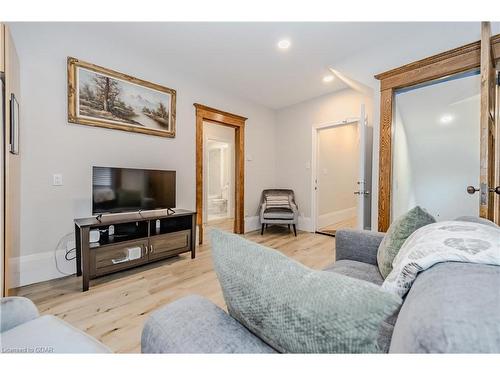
(57,179)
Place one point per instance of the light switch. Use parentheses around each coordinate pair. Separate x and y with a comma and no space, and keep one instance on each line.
(249,157)
(308,165)
(57,179)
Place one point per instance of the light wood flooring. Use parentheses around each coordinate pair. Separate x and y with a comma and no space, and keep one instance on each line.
(226,224)
(347,223)
(116,306)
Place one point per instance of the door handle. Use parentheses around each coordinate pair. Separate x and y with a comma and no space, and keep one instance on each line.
(364,192)
(151,249)
(472,189)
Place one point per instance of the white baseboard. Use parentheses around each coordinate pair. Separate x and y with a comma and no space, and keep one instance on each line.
(336,216)
(34,268)
(252,223)
(305,224)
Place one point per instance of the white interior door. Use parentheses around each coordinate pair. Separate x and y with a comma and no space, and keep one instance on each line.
(364,174)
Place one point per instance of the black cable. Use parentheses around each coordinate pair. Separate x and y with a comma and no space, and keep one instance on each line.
(69,252)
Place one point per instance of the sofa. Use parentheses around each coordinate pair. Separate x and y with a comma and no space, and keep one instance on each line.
(23,330)
(451,308)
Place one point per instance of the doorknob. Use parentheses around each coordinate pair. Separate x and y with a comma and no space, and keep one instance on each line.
(471,189)
(362,192)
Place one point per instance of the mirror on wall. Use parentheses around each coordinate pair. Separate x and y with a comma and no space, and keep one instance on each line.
(435,147)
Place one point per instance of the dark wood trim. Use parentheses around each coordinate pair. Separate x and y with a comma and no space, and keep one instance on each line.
(385,160)
(457,60)
(204,113)
(487,121)
(495,47)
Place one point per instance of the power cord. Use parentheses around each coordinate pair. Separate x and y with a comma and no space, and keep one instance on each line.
(66,237)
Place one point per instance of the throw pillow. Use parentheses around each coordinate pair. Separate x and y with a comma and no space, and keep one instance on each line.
(278,201)
(295,309)
(397,234)
(446,241)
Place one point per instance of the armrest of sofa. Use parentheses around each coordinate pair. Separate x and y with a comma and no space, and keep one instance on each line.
(359,245)
(194,324)
(15,311)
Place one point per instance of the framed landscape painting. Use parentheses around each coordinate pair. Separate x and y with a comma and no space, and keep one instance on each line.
(102,97)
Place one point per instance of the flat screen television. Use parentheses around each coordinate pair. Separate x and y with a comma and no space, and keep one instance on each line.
(126,190)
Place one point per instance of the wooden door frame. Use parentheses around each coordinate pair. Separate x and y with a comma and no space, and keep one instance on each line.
(218,117)
(455,61)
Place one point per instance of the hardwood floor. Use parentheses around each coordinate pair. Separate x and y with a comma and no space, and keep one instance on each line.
(224,224)
(116,306)
(347,223)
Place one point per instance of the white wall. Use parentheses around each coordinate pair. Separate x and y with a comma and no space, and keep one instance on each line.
(51,145)
(403,186)
(434,162)
(338,166)
(294,128)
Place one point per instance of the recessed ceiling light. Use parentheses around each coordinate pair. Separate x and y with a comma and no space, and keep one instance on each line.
(284,44)
(446,119)
(328,78)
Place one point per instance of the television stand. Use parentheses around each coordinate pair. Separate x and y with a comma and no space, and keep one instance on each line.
(135,239)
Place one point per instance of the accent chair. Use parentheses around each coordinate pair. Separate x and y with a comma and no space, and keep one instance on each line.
(277,206)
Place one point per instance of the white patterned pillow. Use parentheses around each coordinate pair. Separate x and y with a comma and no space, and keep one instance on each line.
(446,241)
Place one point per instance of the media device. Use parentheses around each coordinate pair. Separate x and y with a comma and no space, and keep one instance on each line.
(127,189)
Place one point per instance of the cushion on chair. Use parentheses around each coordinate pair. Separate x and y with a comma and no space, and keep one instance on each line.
(278,213)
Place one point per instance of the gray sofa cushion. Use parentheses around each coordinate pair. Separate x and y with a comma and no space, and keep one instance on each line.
(48,334)
(451,308)
(357,270)
(193,324)
(296,309)
(359,245)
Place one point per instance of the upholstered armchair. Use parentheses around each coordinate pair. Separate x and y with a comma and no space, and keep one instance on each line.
(277,206)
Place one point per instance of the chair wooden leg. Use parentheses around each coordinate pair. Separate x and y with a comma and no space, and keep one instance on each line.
(289,227)
(294,230)
(262,230)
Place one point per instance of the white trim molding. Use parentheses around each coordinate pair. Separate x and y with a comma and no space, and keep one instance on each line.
(35,268)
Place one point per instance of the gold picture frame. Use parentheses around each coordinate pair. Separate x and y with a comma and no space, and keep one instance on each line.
(105,98)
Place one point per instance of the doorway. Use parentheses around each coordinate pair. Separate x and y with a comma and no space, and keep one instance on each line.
(218,181)
(337,177)
(435,146)
(210,115)
(341,165)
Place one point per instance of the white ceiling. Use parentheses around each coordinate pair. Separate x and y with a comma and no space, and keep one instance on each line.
(242,58)
(421,109)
